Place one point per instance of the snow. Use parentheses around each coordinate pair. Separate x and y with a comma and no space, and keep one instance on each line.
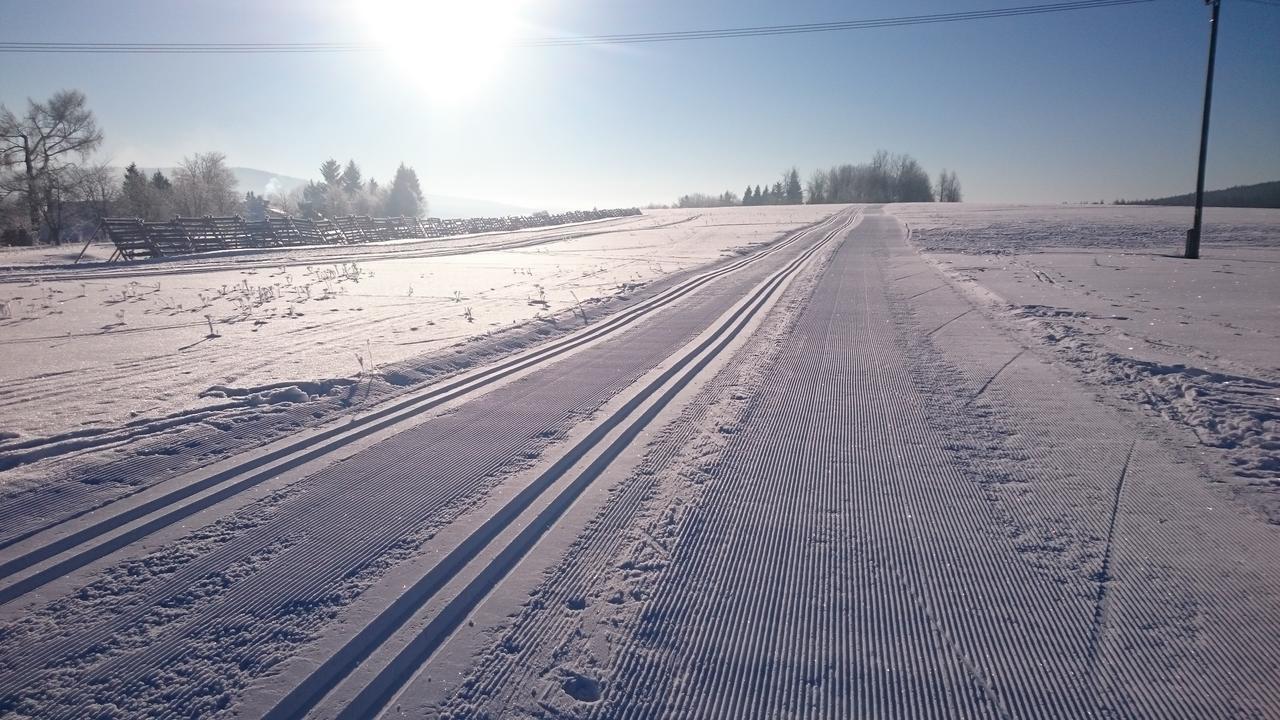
(1024,459)
(1196,342)
(101,346)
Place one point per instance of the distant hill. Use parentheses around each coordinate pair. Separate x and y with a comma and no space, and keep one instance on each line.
(265,183)
(1261,195)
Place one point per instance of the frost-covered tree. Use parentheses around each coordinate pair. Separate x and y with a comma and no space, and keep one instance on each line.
(160,182)
(43,153)
(817,188)
(910,183)
(136,192)
(948,187)
(204,185)
(331,171)
(161,197)
(143,198)
(405,196)
(792,191)
(255,207)
(351,180)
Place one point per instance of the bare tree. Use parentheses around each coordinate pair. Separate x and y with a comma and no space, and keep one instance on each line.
(948,187)
(40,153)
(97,187)
(290,203)
(910,182)
(816,188)
(204,185)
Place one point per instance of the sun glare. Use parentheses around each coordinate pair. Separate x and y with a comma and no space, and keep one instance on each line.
(451,49)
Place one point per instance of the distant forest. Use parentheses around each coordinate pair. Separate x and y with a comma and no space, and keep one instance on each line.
(1261,195)
(886,178)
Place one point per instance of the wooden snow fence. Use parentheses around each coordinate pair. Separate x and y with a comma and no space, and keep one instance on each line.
(138,240)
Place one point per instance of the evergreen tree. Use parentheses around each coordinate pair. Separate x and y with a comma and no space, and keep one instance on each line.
(136,192)
(747,197)
(793,192)
(331,171)
(760,198)
(351,181)
(777,196)
(314,201)
(159,198)
(405,197)
(255,207)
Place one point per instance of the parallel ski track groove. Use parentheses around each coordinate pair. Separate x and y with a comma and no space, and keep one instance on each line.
(306,581)
(330,439)
(384,686)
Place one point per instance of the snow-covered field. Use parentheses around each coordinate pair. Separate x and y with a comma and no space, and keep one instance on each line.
(915,461)
(129,350)
(1194,341)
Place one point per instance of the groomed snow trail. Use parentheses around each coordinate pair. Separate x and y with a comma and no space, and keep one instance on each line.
(179,629)
(907,515)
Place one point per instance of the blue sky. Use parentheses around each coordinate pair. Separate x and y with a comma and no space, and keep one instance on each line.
(1087,105)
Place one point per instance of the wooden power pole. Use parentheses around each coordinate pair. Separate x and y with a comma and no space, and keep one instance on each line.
(1193,235)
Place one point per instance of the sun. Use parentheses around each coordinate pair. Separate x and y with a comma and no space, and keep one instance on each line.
(449,49)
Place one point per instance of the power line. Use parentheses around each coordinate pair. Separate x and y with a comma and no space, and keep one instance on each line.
(572,41)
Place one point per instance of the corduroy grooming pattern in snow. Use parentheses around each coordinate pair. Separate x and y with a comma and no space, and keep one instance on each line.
(881,536)
(840,565)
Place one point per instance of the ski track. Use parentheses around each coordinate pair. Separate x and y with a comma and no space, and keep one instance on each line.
(961,536)
(71,488)
(319,542)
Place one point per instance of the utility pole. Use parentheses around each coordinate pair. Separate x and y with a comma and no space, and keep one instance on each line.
(1193,235)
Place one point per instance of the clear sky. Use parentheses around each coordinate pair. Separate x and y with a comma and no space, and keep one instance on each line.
(1088,105)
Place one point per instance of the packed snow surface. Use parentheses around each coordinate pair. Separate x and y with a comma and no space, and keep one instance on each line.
(914,461)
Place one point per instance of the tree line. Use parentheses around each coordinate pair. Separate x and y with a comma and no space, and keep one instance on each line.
(886,178)
(342,190)
(51,186)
